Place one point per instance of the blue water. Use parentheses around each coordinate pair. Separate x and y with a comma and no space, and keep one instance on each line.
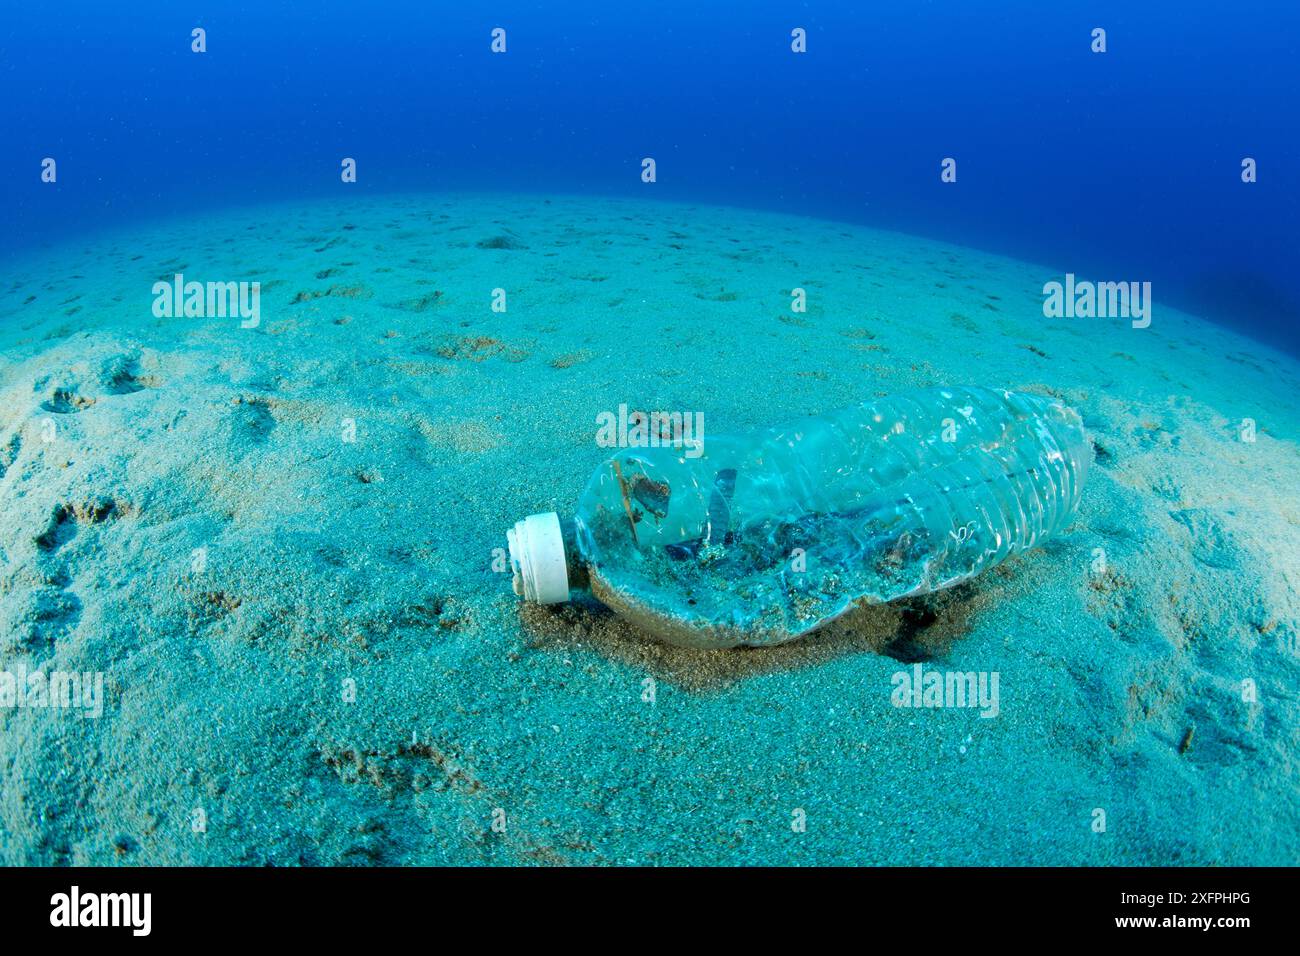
(1118,166)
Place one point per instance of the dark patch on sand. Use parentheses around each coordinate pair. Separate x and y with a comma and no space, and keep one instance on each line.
(503,241)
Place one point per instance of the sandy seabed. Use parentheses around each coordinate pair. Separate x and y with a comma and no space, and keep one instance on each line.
(277,545)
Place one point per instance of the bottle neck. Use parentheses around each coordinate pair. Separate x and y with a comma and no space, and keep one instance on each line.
(575,563)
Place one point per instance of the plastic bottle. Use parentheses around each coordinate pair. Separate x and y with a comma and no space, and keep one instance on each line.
(762,538)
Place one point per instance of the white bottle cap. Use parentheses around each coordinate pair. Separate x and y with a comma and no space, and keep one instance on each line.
(537,559)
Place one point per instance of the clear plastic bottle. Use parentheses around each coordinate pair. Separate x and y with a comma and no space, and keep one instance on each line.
(764,537)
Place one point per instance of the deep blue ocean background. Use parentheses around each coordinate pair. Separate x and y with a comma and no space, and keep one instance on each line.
(1120,166)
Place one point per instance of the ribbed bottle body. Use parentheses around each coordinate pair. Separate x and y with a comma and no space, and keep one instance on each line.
(763,537)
